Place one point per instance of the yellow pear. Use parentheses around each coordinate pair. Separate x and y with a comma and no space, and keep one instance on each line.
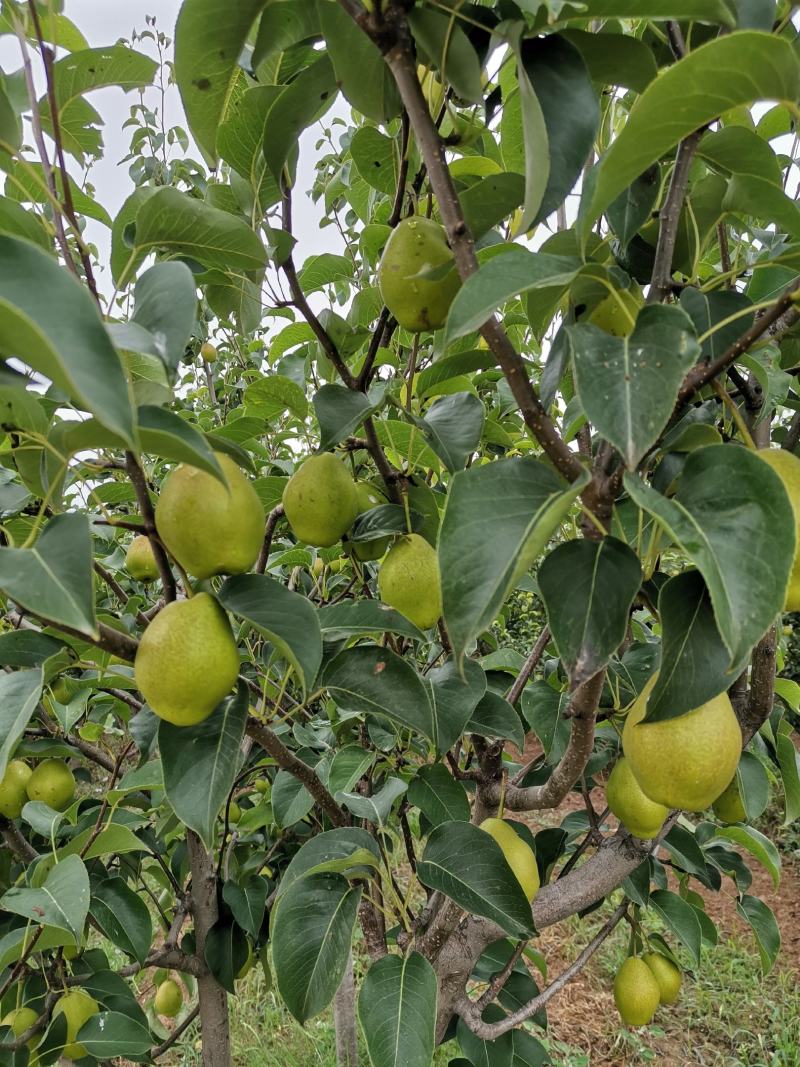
(667,976)
(53,783)
(417,245)
(320,500)
(728,807)
(77,1007)
(208,527)
(616,313)
(13,794)
(636,992)
(370,497)
(208,352)
(409,581)
(169,999)
(519,856)
(140,563)
(187,660)
(684,762)
(787,467)
(640,816)
(20,1020)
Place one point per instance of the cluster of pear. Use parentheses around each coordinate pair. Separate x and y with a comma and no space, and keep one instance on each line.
(643,983)
(76,1006)
(321,502)
(51,782)
(187,659)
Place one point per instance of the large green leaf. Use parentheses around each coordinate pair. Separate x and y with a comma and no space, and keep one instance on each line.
(680,918)
(365,617)
(165,304)
(495,717)
(311,933)
(112,1034)
(54,577)
(727,72)
(123,916)
(364,77)
(523,121)
(455,690)
(438,795)
(765,927)
(248,902)
(208,43)
(588,588)
(614,58)
(208,753)
(628,385)
(452,426)
(397,1010)
(372,680)
(490,200)
(285,618)
(498,519)
(729,500)
(49,321)
(336,850)
(340,411)
(61,901)
(376,807)
(467,865)
(712,11)
(445,44)
(307,98)
(19,697)
(759,846)
(240,137)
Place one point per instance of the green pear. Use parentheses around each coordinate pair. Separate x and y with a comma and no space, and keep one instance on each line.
(13,786)
(140,563)
(409,581)
(20,1020)
(370,497)
(208,527)
(208,352)
(169,999)
(187,660)
(636,992)
(640,816)
(519,856)
(234,813)
(417,245)
(666,974)
(729,807)
(787,467)
(684,762)
(320,500)
(77,1008)
(53,783)
(616,313)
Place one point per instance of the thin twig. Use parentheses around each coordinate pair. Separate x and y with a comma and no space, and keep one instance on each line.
(269,530)
(529,666)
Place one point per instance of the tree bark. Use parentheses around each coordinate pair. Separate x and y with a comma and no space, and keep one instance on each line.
(344,1017)
(214,1028)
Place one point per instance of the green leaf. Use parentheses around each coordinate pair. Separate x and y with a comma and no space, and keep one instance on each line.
(165,434)
(680,918)
(306,99)
(498,519)
(49,321)
(614,58)
(26,648)
(291,801)
(708,312)
(442,40)
(377,807)
(438,795)
(789,762)
(19,697)
(365,79)
(588,588)
(241,135)
(365,617)
(452,426)
(348,766)
(455,690)
(632,208)
(226,952)
(397,1011)
(753,783)
(490,200)
(18,222)
(727,502)
(124,259)
(340,411)
(710,11)
(382,521)
(524,119)
(729,71)
(165,303)
(757,845)
(449,367)
(628,385)
(283,24)
(494,717)
(207,753)
(54,577)
(208,44)
(112,1034)
(113,838)
(499,280)
(273,395)
(481,1052)
(375,681)
(333,850)
(248,903)
(765,927)
(285,618)
(62,901)
(694,660)
(123,917)
(374,155)
(467,865)
(312,929)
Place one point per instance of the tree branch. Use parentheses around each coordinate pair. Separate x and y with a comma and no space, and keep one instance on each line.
(269,530)
(529,666)
(109,639)
(176,1034)
(661,279)
(758,707)
(13,837)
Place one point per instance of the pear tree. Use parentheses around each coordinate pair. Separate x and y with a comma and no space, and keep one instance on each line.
(273,490)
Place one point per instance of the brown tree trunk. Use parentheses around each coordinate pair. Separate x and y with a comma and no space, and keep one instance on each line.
(214,1028)
(344,1017)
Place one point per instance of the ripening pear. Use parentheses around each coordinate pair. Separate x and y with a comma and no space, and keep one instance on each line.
(519,855)
(140,563)
(20,1020)
(787,467)
(370,497)
(616,313)
(187,660)
(208,527)
(169,999)
(667,976)
(53,783)
(320,500)
(728,807)
(208,352)
(417,245)
(409,581)
(639,815)
(77,1007)
(636,992)
(13,794)
(685,762)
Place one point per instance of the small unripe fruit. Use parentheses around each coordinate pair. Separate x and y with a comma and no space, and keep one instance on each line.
(20,1020)
(140,562)
(169,999)
(320,501)
(208,352)
(13,786)
(234,813)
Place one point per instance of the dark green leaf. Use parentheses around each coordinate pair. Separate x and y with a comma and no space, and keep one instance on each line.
(165,304)
(397,1010)
(226,953)
(789,761)
(364,78)
(376,681)
(307,98)
(248,902)
(447,47)
(449,367)
(615,59)
(291,801)
(765,927)
(111,1034)
(438,795)
(543,708)
(27,648)
(374,155)
(19,696)
(61,901)
(348,766)
(123,917)
(632,209)
(333,850)
(757,845)
(481,1052)
(707,310)
(364,617)
(165,434)
(490,201)
(340,411)
(753,784)
(455,691)
(494,717)
(452,426)
(376,807)
(680,918)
